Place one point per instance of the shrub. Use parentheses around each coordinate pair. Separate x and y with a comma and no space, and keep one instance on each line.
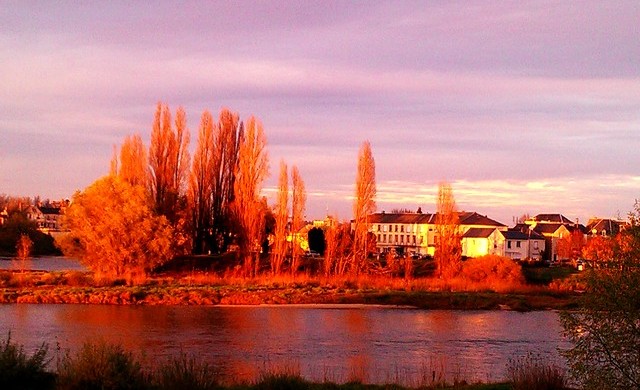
(531,373)
(101,366)
(19,371)
(185,372)
(494,271)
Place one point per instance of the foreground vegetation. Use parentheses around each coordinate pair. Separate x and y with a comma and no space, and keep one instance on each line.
(99,365)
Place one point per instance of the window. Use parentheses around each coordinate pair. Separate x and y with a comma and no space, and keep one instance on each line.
(396,228)
(509,244)
(535,245)
(384,238)
(401,228)
(409,229)
(517,244)
(378,227)
(396,238)
(390,228)
(402,238)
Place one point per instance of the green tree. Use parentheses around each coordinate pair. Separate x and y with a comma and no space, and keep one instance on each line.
(115,230)
(605,331)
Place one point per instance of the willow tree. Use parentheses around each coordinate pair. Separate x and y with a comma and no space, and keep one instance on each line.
(115,232)
(364,205)
(448,240)
(252,170)
(201,183)
(168,161)
(226,145)
(298,206)
(282,217)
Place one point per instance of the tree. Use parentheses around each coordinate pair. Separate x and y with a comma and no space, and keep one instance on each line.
(253,168)
(605,331)
(133,161)
(200,194)
(364,205)
(115,230)
(570,246)
(227,136)
(168,161)
(299,200)
(448,241)
(599,250)
(282,218)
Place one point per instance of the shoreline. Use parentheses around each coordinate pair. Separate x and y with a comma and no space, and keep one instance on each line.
(319,297)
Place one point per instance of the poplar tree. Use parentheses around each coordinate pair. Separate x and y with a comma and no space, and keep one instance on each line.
(168,161)
(226,144)
(448,240)
(282,217)
(133,161)
(201,183)
(364,205)
(298,206)
(252,170)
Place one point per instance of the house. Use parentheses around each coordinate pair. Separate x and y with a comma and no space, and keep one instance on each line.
(514,244)
(605,227)
(4,216)
(519,245)
(415,233)
(48,217)
(553,227)
(478,242)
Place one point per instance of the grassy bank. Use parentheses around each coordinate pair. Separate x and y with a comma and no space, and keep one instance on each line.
(99,365)
(210,289)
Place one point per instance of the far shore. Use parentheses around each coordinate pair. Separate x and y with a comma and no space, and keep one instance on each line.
(76,288)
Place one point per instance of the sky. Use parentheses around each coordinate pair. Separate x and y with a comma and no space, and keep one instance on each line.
(525,107)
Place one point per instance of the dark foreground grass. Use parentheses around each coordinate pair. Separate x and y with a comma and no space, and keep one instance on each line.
(99,365)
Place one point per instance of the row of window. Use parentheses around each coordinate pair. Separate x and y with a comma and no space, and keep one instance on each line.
(398,239)
(518,244)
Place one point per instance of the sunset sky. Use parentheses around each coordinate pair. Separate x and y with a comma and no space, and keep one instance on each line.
(525,107)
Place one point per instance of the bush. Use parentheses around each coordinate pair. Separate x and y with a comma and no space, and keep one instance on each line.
(531,373)
(494,271)
(18,371)
(101,366)
(186,373)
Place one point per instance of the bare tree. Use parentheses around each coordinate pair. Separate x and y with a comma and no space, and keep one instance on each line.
(282,217)
(364,205)
(448,245)
(227,136)
(299,200)
(253,168)
(200,183)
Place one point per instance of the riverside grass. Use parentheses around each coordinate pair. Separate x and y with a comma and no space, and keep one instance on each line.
(99,365)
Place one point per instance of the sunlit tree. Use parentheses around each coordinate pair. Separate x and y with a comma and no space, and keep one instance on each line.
(298,200)
(168,161)
(115,230)
(364,205)
(570,246)
(448,249)
(227,136)
(132,166)
(252,170)
(201,183)
(605,330)
(599,250)
(282,218)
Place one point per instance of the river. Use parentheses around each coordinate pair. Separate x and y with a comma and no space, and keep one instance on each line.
(339,343)
(44,263)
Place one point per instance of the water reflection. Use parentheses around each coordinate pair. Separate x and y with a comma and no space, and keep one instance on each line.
(371,344)
(44,263)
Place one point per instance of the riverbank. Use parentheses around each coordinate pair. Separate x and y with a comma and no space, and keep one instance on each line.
(79,288)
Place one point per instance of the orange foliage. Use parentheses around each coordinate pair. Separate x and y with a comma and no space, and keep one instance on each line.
(364,205)
(298,200)
(282,217)
(494,271)
(448,245)
(599,248)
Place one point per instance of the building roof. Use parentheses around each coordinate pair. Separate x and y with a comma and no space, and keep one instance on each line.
(547,228)
(611,227)
(49,210)
(478,232)
(519,235)
(464,218)
(553,218)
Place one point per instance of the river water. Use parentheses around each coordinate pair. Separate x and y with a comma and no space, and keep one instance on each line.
(44,263)
(374,344)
